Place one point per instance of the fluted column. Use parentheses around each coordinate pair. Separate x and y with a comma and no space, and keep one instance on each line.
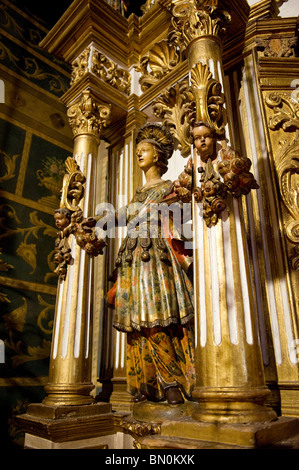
(70,360)
(230,385)
(125,179)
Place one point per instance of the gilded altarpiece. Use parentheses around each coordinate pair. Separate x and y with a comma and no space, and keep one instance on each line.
(148,74)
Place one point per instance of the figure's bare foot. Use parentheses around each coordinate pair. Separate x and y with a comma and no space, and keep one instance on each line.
(174,396)
(139,397)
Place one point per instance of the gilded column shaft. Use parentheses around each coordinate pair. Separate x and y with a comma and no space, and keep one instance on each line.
(230,385)
(70,362)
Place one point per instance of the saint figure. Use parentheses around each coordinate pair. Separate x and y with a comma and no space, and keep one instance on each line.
(153,293)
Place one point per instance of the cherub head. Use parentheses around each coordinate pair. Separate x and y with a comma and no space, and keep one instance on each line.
(204,140)
(62,218)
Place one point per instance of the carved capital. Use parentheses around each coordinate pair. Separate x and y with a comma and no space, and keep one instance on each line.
(87,116)
(192,20)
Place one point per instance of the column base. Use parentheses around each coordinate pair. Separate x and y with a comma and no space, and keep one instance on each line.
(191,434)
(233,405)
(289,398)
(235,413)
(69,394)
(85,426)
(120,399)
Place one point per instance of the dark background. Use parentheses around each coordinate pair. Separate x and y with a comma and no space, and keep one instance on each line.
(51,14)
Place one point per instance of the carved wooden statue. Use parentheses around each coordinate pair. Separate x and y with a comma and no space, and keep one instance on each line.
(153,296)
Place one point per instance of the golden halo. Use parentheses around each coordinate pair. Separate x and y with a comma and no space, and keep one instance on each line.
(159,134)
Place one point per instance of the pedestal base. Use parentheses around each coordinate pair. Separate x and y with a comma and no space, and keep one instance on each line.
(151,412)
(71,427)
(191,434)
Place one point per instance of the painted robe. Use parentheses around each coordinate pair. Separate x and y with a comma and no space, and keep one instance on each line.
(153,299)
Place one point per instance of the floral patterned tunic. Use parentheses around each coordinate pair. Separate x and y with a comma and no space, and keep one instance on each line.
(152,289)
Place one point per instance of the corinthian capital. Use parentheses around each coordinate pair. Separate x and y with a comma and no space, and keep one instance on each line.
(87,116)
(197,18)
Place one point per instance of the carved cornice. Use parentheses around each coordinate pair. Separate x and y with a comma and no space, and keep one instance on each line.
(284,28)
(264,9)
(88,22)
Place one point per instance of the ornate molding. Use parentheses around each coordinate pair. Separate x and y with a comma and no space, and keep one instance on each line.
(80,66)
(276,46)
(192,20)
(286,110)
(110,72)
(87,116)
(138,429)
(286,117)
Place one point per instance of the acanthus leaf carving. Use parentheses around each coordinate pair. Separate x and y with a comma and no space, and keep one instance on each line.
(80,66)
(276,46)
(175,107)
(208,97)
(191,20)
(70,221)
(286,111)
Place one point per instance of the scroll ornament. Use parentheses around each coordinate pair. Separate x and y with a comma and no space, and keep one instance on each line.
(70,221)
(175,108)
(285,116)
(80,66)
